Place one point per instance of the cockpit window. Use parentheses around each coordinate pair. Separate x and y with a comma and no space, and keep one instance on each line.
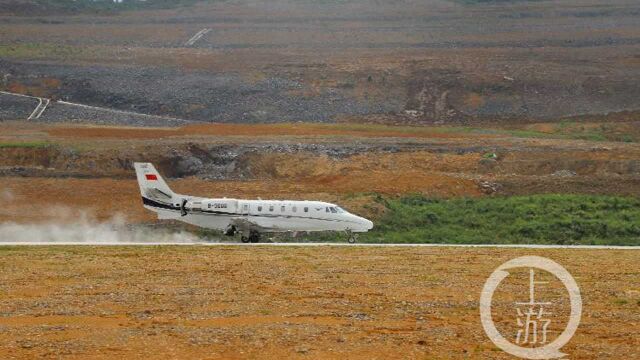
(333,210)
(340,210)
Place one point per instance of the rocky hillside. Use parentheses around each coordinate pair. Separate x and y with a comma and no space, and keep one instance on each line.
(283,61)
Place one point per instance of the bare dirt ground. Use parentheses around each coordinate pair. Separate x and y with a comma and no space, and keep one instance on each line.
(46,168)
(536,75)
(262,302)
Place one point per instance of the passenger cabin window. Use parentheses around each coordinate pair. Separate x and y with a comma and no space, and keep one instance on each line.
(282,208)
(294,209)
(259,208)
(326,209)
(306,209)
(270,207)
(245,207)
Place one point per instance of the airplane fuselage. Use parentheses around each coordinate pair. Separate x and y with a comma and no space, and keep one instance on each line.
(250,218)
(271,215)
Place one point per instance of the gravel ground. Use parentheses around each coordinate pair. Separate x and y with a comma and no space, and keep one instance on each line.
(58,112)
(194,95)
(16,107)
(402,62)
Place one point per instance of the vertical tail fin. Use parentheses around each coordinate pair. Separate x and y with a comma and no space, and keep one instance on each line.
(152,186)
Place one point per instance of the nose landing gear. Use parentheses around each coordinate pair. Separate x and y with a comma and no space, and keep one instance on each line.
(352,237)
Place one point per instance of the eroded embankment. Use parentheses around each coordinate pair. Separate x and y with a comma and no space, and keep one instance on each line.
(287,160)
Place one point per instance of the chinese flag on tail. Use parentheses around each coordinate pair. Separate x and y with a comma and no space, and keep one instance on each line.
(151,177)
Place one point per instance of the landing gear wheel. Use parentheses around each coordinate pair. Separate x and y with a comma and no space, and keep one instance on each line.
(244,239)
(254,236)
(352,238)
(230,230)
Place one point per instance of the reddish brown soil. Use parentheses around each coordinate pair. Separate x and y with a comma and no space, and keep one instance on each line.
(267,302)
(251,130)
(523,166)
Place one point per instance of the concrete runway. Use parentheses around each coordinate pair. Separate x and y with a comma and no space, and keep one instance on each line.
(516,246)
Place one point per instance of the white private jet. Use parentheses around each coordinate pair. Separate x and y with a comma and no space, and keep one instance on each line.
(250,218)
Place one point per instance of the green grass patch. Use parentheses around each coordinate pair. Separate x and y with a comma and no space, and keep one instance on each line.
(620,302)
(538,219)
(24,145)
(619,132)
(563,130)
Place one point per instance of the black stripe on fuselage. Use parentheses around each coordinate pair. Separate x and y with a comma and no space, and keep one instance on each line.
(165,206)
(159,205)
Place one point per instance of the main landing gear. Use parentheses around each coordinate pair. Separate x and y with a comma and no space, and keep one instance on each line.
(230,231)
(254,237)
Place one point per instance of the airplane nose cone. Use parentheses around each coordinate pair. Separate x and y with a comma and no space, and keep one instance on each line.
(359,224)
(366,224)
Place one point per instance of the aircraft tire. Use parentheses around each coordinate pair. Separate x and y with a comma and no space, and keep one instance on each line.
(254,237)
(244,239)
